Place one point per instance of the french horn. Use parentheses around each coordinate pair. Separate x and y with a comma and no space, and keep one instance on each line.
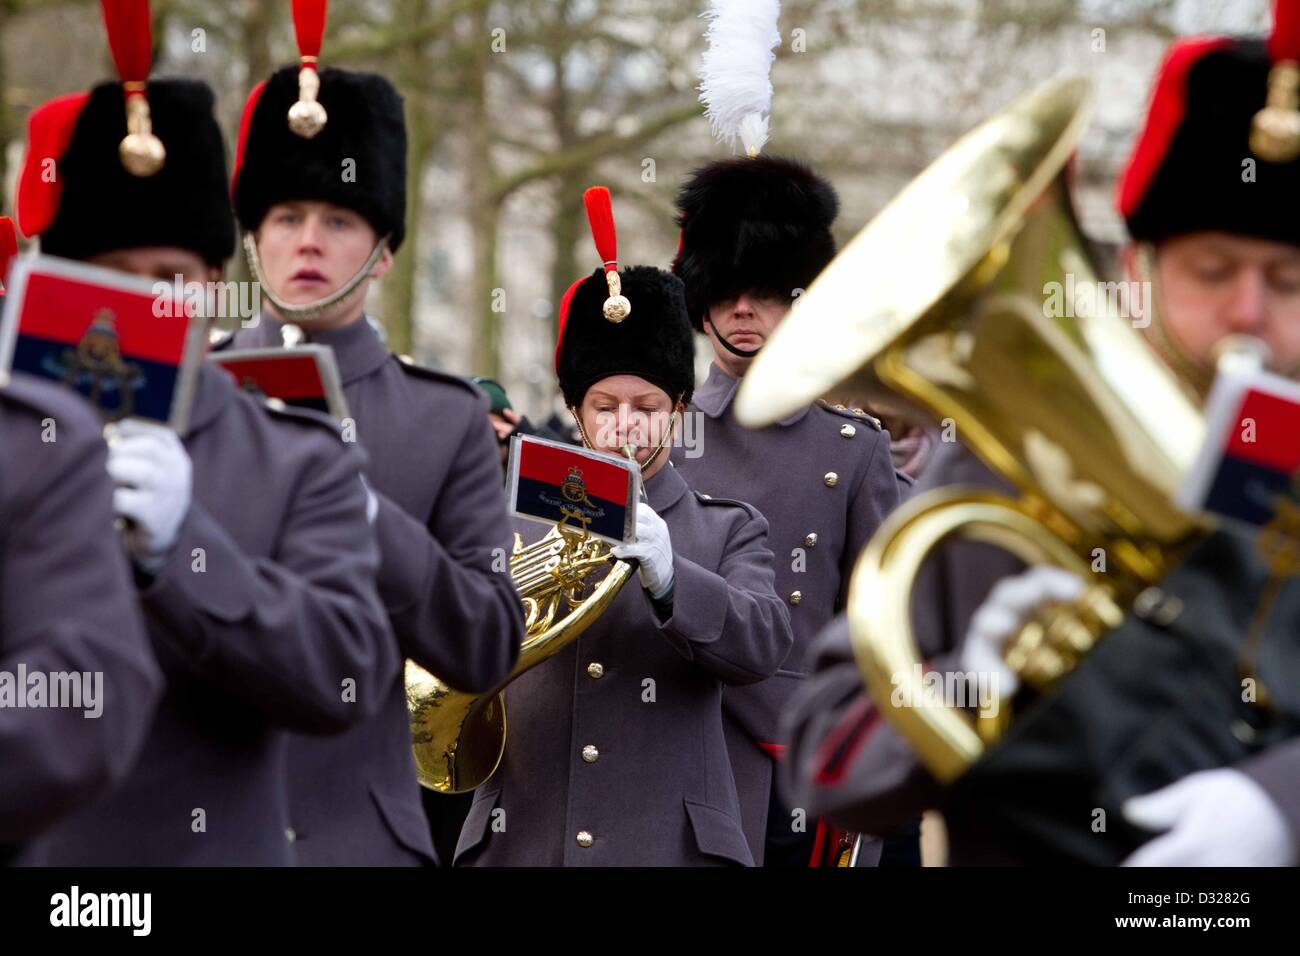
(566,580)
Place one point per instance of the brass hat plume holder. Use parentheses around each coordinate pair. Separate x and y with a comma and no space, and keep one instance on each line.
(141,151)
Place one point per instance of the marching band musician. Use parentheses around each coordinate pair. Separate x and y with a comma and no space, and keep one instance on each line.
(616,752)
(265,634)
(755,231)
(317,237)
(69,607)
(1224,260)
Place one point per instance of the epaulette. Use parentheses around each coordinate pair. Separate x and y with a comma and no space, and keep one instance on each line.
(853,414)
(410,366)
(299,415)
(733,502)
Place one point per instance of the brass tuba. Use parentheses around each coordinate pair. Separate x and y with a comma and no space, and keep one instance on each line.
(459,738)
(948,300)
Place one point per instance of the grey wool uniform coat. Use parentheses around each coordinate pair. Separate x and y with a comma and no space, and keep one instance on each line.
(824,480)
(845,761)
(1277,770)
(69,609)
(435,470)
(1108,732)
(1161,697)
(265,620)
(615,753)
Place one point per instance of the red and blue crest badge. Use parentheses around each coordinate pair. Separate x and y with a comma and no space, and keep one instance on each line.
(1250,463)
(305,376)
(553,482)
(115,339)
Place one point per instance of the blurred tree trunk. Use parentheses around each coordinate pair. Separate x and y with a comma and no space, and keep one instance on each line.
(484,203)
(399,287)
(259,22)
(567,219)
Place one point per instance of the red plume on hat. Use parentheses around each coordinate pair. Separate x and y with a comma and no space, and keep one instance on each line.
(307,117)
(1220,103)
(1284,42)
(8,248)
(600,214)
(49,131)
(600,334)
(131,40)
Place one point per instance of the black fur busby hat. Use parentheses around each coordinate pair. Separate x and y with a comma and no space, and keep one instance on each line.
(654,341)
(760,224)
(357,160)
(93,204)
(1207,117)
(129,164)
(629,322)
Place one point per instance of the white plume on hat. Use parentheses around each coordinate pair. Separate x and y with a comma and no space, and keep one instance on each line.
(736,75)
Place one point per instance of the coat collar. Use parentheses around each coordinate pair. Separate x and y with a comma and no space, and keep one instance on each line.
(213,390)
(357,349)
(665,488)
(714,397)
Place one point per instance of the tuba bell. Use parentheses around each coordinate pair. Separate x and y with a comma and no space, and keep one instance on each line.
(947,302)
(459,738)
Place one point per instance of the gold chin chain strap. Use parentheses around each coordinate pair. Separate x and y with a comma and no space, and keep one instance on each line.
(1196,374)
(663,442)
(313,310)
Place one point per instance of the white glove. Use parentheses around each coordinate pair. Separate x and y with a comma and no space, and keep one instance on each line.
(151,474)
(372,503)
(653,548)
(1008,607)
(1213,818)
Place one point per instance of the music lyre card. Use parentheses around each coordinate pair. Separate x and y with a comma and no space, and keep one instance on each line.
(305,376)
(113,338)
(550,481)
(1251,458)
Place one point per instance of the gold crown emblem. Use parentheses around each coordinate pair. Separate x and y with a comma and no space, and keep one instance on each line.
(574,488)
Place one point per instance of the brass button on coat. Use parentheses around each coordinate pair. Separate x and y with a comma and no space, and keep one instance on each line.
(831,479)
(848,431)
(596,670)
(590,754)
(584,838)
(796,597)
(1156,606)
(811,539)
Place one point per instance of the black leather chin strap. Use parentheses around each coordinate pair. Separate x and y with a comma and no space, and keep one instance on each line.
(734,350)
